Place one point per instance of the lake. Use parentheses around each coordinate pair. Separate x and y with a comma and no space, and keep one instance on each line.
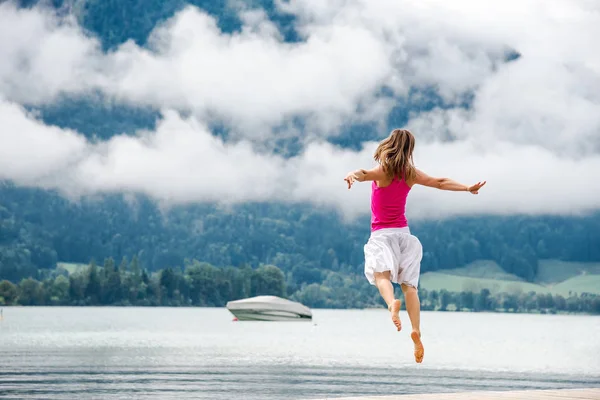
(200,353)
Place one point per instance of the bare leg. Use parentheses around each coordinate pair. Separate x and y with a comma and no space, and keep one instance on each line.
(413,307)
(386,289)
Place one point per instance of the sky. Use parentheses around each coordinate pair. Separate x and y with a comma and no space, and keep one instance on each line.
(532,131)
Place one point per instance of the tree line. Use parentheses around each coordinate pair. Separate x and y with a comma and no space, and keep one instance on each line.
(197,284)
(202,284)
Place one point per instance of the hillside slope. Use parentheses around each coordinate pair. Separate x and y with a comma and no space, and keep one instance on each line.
(558,278)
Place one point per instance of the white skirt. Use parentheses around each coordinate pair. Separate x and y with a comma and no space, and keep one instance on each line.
(394,250)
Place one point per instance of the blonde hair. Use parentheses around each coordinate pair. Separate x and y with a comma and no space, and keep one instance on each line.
(395,154)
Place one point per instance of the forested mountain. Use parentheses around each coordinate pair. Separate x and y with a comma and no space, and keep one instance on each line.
(38,228)
(310,245)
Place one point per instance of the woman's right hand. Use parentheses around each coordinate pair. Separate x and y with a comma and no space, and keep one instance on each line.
(350,178)
(475,188)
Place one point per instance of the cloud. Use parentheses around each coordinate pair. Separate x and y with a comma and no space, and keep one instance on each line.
(43,56)
(250,80)
(32,153)
(516,185)
(532,130)
(182,162)
(179,162)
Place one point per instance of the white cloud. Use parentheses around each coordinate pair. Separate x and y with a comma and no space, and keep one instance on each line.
(181,162)
(31,153)
(43,56)
(252,80)
(533,131)
(521,179)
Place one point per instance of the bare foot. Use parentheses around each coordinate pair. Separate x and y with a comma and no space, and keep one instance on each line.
(419,349)
(395,310)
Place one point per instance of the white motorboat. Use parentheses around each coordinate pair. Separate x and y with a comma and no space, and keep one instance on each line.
(268,308)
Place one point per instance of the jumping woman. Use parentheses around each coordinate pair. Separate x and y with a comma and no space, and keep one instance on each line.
(392,253)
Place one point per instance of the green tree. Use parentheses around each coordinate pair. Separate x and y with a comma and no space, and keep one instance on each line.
(31,292)
(595,305)
(168,283)
(111,283)
(136,272)
(94,288)
(314,294)
(511,302)
(60,290)
(483,301)
(445,299)
(78,288)
(467,300)
(8,293)
(268,280)
(204,284)
(560,302)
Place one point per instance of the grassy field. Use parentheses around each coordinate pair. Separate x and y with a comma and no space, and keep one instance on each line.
(454,283)
(484,269)
(71,267)
(579,284)
(555,277)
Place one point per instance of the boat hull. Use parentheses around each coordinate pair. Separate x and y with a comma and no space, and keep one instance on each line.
(269,308)
(268,315)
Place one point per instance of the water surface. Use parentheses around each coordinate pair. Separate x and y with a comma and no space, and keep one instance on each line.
(175,353)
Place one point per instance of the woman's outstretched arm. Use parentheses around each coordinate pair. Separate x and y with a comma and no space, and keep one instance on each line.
(361,175)
(446,183)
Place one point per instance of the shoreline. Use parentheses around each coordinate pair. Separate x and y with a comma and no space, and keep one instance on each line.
(381,309)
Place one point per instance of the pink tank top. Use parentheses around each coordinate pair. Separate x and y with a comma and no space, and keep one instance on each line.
(388,205)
